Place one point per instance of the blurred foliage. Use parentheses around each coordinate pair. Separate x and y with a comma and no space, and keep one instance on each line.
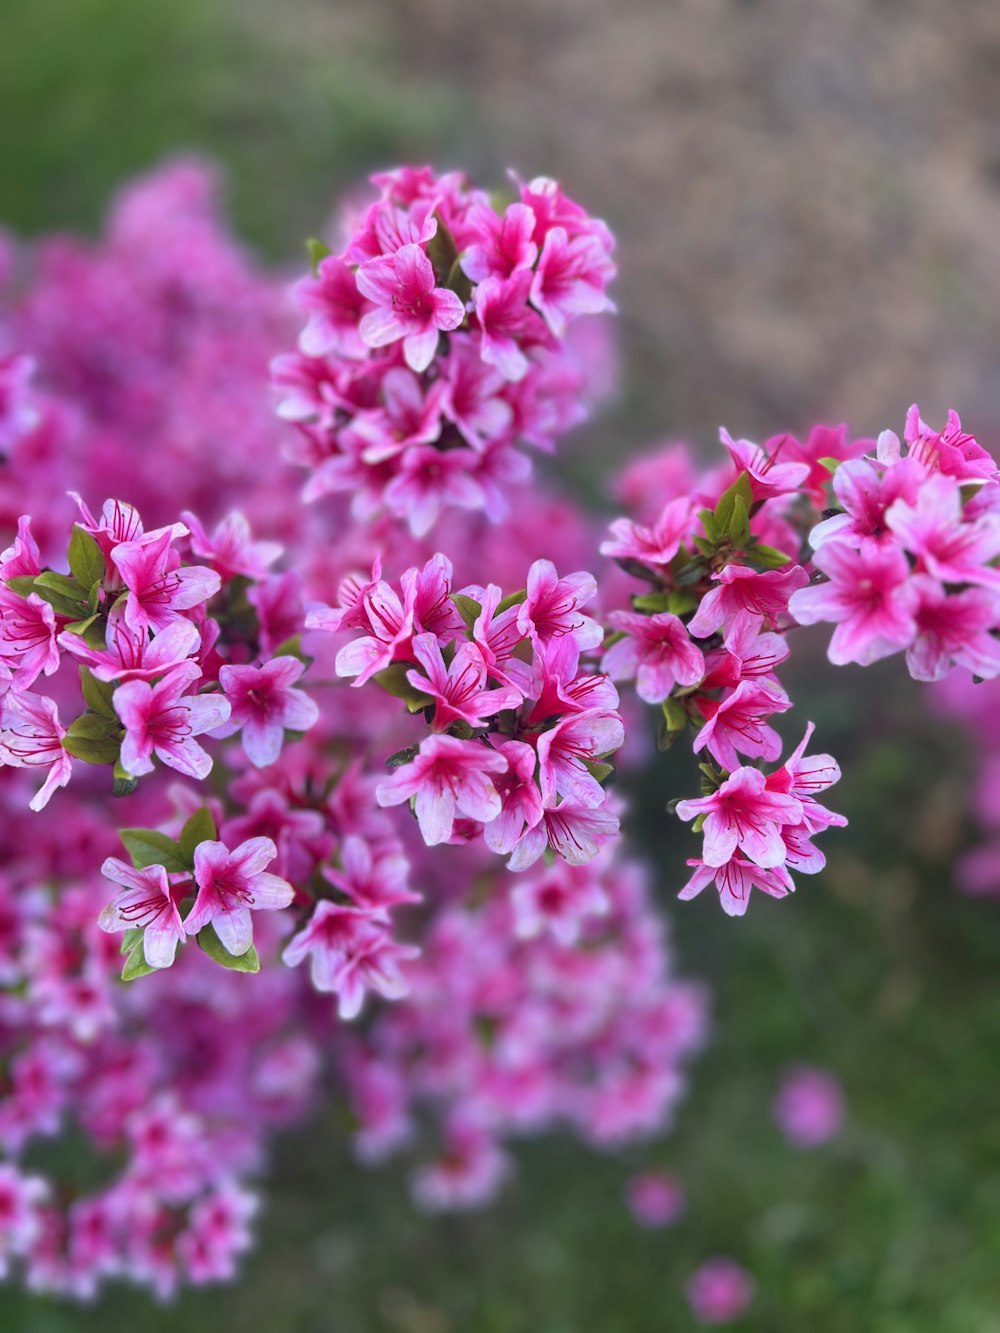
(878,969)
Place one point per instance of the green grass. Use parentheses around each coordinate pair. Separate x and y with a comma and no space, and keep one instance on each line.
(877,968)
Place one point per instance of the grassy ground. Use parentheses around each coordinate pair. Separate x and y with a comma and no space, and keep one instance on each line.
(878,969)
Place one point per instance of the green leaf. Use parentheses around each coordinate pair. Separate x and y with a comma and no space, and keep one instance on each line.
(149,847)
(598,770)
(674,715)
(393,681)
(136,965)
(198,829)
(292,648)
(709,524)
(831,464)
(318,251)
(86,562)
(131,938)
(515,599)
(442,252)
(651,603)
(123,784)
(458,282)
(216,950)
(22,584)
(401,757)
(680,603)
(91,631)
(468,608)
(62,593)
(94,738)
(98,695)
(768,557)
(732,507)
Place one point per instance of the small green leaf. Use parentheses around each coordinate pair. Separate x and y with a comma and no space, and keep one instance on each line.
(94,738)
(22,584)
(768,557)
(131,938)
(318,251)
(402,757)
(599,770)
(216,950)
(91,631)
(62,593)
(458,282)
(198,829)
(468,608)
(831,464)
(674,715)
(651,603)
(442,252)
(86,562)
(515,599)
(292,648)
(149,847)
(732,507)
(393,681)
(680,603)
(709,524)
(98,695)
(136,965)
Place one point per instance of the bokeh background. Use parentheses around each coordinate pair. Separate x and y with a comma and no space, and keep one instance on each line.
(807,200)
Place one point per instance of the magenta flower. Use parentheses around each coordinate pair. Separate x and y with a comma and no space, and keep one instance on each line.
(655,1198)
(933,530)
(574,832)
(557,685)
(570,279)
(472,396)
(335,307)
(231,548)
(720,1291)
(132,654)
(448,777)
(158,590)
(743,814)
(350,952)
(31,737)
(505,243)
(952,450)
(521,801)
(656,652)
(802,776)
(408,416)
(230,885)
(954,629)
(497,636)
(460,690)
(865,492)
(508,323)
(565,750)
(264,705)
(868,596)
(430,480)
(738,725)
(148,903)
(552,606)
(809,1106)
(656,545)
(163,719)
(27,637)
(390,621)
(768,476)
(734,880)
(407,305)
(744,592)
(372,879)
(22,558)
(559,902)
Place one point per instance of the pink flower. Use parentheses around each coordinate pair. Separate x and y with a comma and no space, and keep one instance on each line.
(866,491)
(738,725)
(508,323)
(132,654)
(933,530)
(148,903)
(407,305)
(264,705)
(802,776)
(654,546)
(734,880)
(448,777)
(720,1291)
(809,1106)
(743,814)
(231,549)
(22,558)
(163,719)
(741,592)
(472,395)
(31,737)
(469,1171)
(335,307)
(656,651)
(505,243)
(232,883)
(559,902)
(428,481)
(21,1217)
(375,880)
(551,607)
(767,476)
(565,750)
(27,637)
(952,450)
(655,1198)
(821,442)
(521,802)
(158,590)
(390,621)
(351,952)
(497,637)
(868,596)
(954,629)
(570,279)
(460,690)
(574,832)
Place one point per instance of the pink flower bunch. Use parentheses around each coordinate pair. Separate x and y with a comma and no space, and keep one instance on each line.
(162,650)
(910,561)
(521,728)
(436,339)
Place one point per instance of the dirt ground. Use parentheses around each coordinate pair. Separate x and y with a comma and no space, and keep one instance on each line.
(806,192)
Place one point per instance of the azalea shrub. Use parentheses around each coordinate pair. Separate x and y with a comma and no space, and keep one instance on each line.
(313,702)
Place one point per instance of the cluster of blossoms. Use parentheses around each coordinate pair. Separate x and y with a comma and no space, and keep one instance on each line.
(439,336)
(521,727)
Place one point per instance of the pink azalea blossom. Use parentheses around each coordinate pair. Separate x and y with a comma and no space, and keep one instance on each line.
(132,654)
(335,307)
(868,596)
(505,243)
(866,491)
(738,724)
(230,549)
(734,880)
(471,396)
(565,750)
(391,623)
(31,737)
(148,903)
(952,451)
(508,323)
(558,685)
(372,879)
(459,690)
(552,606)
(158,589)
(932,529)
(809,1106)
(497,637)
(27,637)
(743,814)
(407,305)
(264,705)
(720,1291)
(574,832)
(21,1217)
(430,480)
(22,559)
(953,629)
(822,442)
(163,719)
(744,592)
(231,884)
(656,545)
(350,952)
(768,476)
(570,279)
(560,901)
(448,777)
(521,801)
(656,651)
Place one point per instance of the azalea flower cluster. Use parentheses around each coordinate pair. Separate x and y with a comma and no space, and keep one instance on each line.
(521,727)
(438,336)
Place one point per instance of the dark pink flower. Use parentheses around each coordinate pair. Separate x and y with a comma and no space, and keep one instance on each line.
(230,549)
(734,880)
(448,777)
(158,589)
(407,305)
(459,690)
(768,476)
(335,307)
(744,592)
(504,244)
(552,606)
(565,750)
(508,323)
(231,884)
(148,903)
(264,705)
(163,719)
(655,545)
(521,802)
(27,637)
(743,814)
(738,724)
(350,952)
(868,596)
(656,652)
(571,278)
(31,737)
(132,654)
